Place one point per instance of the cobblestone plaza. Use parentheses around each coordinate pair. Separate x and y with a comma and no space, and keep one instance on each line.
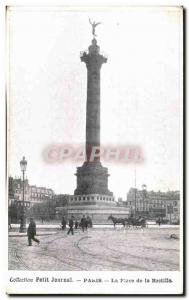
(109,249)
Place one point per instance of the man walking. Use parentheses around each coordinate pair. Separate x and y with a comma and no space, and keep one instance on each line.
(83,223)
(71,224)
(159,221)
(63,223)
(32,232)
(76,224)
(89,222)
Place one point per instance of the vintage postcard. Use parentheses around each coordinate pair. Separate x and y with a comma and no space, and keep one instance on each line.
(95,150)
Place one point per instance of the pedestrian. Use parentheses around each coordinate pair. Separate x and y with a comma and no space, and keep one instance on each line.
(71,225)
(83,223)
(159,221)
(9,220)
(63,223)
(86,224)
(32,232)
(76,224)
(89,222)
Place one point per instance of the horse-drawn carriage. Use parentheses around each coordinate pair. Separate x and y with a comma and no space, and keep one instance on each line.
(129,222)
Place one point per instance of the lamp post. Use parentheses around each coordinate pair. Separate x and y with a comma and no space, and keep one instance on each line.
(135,193)
(23,165)
(170,211)
(144,196)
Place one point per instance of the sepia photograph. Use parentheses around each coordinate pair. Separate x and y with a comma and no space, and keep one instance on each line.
(95,149)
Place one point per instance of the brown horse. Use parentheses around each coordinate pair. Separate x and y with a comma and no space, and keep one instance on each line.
(117,220)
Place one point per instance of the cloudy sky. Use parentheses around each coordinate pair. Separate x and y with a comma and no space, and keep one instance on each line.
(141,91)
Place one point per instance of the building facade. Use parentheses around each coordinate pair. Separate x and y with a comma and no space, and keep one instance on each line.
(40,194)
(32,193)
(155,204)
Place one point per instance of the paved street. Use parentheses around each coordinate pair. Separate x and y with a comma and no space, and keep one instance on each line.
(98,249)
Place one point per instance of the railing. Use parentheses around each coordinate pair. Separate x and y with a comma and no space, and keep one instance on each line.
(86,52)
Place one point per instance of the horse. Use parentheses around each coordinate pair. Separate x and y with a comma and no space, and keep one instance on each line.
(117,220)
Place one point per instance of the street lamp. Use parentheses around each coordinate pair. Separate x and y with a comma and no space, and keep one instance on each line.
(144,196)
(135,203)
(23,165)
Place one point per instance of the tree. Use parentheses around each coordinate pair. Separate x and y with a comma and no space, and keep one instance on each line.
(45,210)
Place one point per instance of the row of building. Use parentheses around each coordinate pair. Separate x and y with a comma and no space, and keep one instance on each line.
(32,194)
(155,204)
(139,202)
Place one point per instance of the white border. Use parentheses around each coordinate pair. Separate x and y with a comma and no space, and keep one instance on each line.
(3,207)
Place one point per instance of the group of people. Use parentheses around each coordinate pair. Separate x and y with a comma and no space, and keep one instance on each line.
(84,223)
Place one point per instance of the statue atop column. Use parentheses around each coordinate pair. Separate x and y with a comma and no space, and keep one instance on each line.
(93,24)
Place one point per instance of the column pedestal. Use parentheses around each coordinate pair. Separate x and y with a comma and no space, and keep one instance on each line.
(92,178)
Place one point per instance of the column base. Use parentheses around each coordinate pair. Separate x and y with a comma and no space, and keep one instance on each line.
(92,178)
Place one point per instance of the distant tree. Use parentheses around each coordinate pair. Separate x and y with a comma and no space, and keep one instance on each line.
(13,214)
(45,210)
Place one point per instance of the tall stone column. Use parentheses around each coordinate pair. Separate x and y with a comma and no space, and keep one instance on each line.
(93,60)
(92,177)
